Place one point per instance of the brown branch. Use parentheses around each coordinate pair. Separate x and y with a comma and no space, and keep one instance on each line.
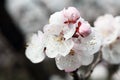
(93,65)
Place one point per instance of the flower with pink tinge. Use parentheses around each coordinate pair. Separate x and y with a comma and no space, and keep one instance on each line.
(81,54)
(71,14)
(68,38)
(49,43)
(56,45)
(73,61)
(109,28)
(84,28)
(58,39)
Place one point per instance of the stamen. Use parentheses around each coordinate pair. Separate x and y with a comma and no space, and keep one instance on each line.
(72,52)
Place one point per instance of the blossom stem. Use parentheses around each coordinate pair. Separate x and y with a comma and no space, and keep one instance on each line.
(93,65)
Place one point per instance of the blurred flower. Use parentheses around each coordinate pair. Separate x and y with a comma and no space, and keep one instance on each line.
(67,38)
(100,72)
(109,28)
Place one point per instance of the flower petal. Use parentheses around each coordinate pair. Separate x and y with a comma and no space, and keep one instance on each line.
(55,46)
(111,53)
(85,29)
(68,63)
(69,31)
(57,18)
(91,44)
(53,29)
(35,54)
(34,51)
(86,58)
(72,14)
(105,25)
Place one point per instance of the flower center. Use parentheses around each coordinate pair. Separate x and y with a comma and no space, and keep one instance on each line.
(72,52)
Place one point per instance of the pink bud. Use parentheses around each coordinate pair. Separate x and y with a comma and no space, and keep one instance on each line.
(72,14)
(84,29)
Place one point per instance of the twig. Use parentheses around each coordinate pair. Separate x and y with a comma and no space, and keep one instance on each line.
(93,65)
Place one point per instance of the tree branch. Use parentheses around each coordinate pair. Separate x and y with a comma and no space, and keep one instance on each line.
(93,65)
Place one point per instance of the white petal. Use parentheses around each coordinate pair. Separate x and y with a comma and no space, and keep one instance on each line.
(55,46)
(116,46)
(86,59)
(117,24)
(57,18)
(68,63)
(34,51)
(91,44)
(100,72)
(104,22)
(53,29)
(37,39)
(106,26)
(69,32)
(111,53)
(34,54)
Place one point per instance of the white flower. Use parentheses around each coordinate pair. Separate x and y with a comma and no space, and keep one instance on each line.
(68,63)
(105,26)
(58,41)
(100,72)
(56,45)
(81,53)
(35,49)
(73,61)
(109,28)
(68,38)
(69,15)
(111,52)
(51,43)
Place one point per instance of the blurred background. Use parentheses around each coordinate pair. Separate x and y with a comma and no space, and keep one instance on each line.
(19,19)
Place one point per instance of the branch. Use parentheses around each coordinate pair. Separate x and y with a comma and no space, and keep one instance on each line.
(93,65)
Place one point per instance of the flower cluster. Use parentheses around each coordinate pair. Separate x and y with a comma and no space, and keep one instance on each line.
(109,28)
(68,38)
